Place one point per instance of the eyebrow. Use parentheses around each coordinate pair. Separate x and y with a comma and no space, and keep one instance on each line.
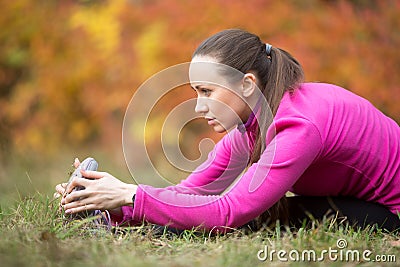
(196,87)
(200,86)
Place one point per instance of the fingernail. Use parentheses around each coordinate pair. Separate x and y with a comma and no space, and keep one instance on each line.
(67,211)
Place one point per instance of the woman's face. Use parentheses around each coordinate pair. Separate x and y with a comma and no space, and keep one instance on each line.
(218,100)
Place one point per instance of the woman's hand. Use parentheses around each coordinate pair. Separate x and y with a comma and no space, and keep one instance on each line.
(103,192)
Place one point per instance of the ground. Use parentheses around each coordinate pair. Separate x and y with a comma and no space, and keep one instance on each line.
(34,233)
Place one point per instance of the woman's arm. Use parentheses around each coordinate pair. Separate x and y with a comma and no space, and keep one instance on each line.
(294,148)
(224,164)
(222,167)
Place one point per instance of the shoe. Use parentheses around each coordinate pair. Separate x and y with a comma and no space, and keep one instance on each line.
(102,218)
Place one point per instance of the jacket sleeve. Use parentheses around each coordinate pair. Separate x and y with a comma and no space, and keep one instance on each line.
(288,154)
(223,165)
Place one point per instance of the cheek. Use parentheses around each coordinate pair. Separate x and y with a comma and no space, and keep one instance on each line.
(223,110)
(218,107)
(227,115)
(236,108)
(228,108)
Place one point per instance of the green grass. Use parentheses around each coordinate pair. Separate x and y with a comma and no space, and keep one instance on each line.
(34,233)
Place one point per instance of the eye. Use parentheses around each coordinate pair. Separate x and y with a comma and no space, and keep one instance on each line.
(205,91)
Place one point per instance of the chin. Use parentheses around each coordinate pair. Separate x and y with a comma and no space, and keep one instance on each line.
(220,129)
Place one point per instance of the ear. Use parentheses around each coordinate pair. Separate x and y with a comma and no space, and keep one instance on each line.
(249,84)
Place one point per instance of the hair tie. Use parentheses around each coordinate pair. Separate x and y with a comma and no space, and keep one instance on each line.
(268,48)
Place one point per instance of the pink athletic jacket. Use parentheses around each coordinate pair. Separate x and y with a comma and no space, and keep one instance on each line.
(324,141)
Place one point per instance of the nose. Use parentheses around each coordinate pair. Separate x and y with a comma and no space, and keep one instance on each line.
(201,105)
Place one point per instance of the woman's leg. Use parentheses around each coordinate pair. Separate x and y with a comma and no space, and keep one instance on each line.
(356,212)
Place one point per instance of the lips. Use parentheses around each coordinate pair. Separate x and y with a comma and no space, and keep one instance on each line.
(210,121)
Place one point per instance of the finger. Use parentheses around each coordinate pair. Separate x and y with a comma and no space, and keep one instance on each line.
(79,208)
(76,182)
(74,197)
(56,195)
(60,189)
(93,174)
(69,188)
(76,163)
(74,204)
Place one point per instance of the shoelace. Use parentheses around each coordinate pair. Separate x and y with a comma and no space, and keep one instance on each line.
(103,219)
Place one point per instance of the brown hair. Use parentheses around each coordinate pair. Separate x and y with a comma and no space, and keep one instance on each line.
(276,72)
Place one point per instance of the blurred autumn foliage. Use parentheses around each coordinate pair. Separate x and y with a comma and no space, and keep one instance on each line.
(69,68)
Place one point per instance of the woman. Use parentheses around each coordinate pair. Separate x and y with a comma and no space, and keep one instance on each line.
(319,141)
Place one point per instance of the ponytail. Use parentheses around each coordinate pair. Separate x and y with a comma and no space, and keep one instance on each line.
(277,72)
(284,74)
